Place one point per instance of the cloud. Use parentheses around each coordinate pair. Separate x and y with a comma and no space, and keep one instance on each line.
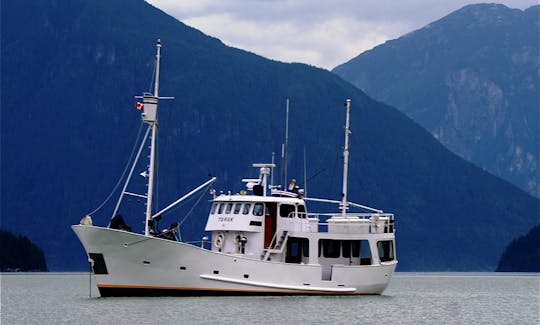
(320,33)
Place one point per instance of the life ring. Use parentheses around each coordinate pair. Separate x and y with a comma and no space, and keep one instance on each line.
(218,241)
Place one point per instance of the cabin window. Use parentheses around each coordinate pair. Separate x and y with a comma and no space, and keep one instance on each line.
(305,247)
(237,208)
(330,248)
(220,209)
(365,253)
(386,250)
(347,247)
(214,206)
(247,208)
(353,248)
(356,245)
(229,208)
(301,211)
(296,248)
(293,252)
(258,209)
(358,249)
(286,210)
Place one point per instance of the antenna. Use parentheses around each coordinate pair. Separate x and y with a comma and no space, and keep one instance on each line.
(286,139)
(284,146)
(272,170)
(305,173)
(158,57)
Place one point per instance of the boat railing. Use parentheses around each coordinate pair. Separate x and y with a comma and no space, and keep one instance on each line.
(372,223)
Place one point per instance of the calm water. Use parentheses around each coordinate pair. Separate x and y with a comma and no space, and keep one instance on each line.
(417,298)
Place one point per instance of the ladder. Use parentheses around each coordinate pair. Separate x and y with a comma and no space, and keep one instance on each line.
(278,247)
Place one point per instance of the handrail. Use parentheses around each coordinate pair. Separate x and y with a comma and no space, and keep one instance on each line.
(384,221)
(272,249)
(272,241)
(339,202)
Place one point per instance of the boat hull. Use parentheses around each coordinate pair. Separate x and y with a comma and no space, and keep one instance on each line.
(130,264)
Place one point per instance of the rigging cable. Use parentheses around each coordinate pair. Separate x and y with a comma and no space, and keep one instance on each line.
(152,78)
(123,173)
(194,205)
(192,208)
(156,200)
(203,191)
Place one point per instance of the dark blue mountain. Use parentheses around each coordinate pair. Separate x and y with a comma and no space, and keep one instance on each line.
(69,73)
(522,254)
(18,253)
(472,80)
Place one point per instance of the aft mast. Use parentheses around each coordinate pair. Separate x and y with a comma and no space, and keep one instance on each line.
(344,203)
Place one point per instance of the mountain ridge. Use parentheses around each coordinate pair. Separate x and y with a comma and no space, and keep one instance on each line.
(67,141)
(471,79)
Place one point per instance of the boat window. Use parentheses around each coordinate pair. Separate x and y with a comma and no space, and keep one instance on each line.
(330,248)
(237,208)
(286,210)
(347,247)
(214,206)
(301,211)
(229,208)
(258,209)
(365,252)
(386,250)
(296,248)
(247,208)
(293,252)
(352,248)
(220,210)
(305,247)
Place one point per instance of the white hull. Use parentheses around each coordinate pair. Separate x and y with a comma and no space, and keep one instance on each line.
(140,265)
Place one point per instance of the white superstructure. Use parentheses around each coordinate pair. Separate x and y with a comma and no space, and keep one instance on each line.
(263,240)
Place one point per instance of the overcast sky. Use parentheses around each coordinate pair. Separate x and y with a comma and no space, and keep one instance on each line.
(316,32)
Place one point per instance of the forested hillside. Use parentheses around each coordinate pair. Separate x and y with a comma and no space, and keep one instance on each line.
(19,254)
(522,254)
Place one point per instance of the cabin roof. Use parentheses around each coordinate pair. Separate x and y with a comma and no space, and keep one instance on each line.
(255,198)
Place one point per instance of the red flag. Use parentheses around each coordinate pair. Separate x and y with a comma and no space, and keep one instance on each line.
(139,106)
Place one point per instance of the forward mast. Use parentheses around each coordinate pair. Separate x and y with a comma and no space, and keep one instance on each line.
(149,116)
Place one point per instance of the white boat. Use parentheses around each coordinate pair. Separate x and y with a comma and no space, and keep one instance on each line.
(263,241)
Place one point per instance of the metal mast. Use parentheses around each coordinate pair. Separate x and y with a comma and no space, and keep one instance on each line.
(286,141)
(148,109)
(153,122)
(149,116)
(344,204)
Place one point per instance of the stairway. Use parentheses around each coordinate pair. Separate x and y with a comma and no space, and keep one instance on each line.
(276,248)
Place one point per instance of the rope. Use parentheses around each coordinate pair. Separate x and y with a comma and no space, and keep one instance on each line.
(156,192)
(191,211)
(123,173)
(194,205)
(152,78)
